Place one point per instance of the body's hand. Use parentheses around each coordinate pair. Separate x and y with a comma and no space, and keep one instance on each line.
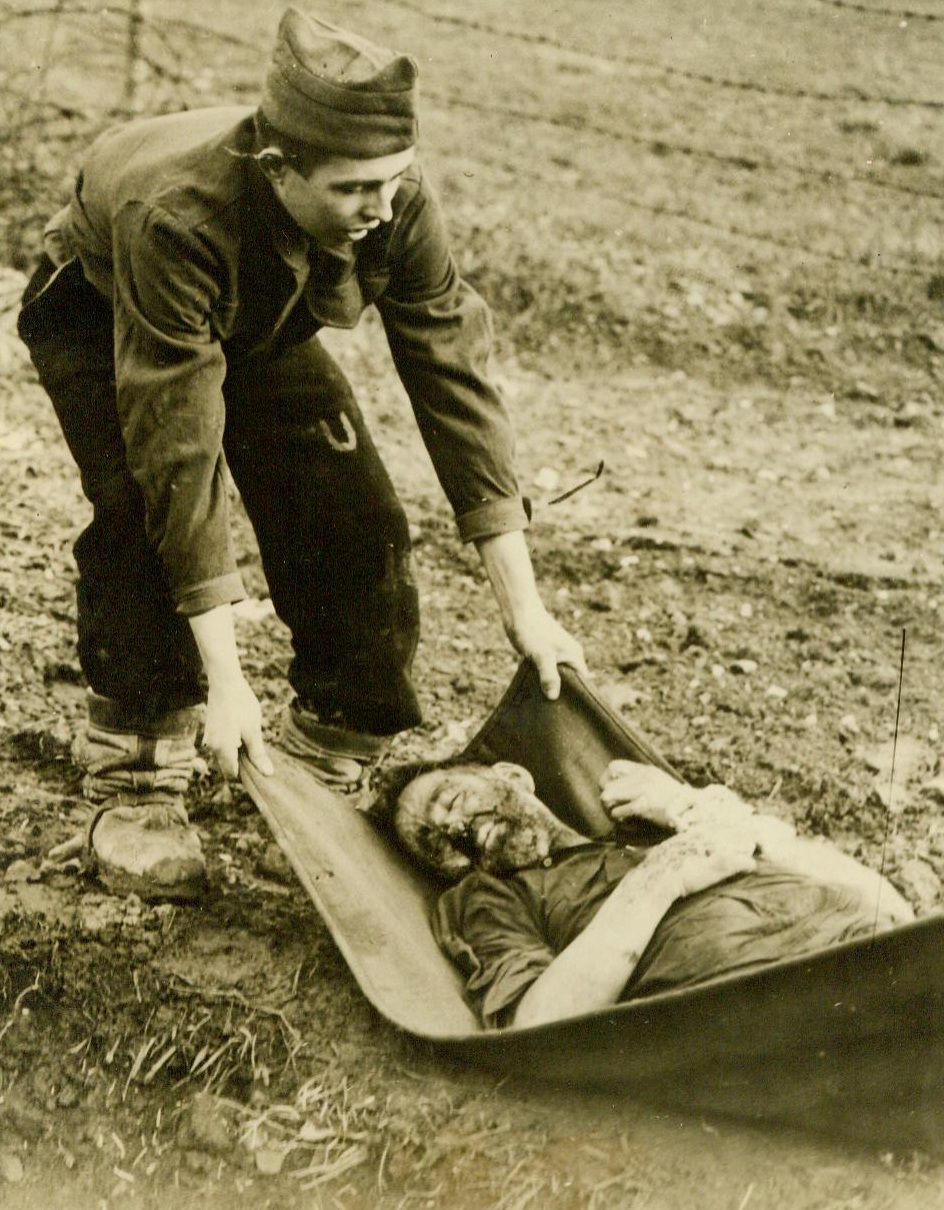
(631,790)
(234,721)
(531,630)
(698,858)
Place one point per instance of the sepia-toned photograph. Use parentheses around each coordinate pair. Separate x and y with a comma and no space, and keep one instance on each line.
(471,605)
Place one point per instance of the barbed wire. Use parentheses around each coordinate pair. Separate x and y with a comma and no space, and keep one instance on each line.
(127,13)
(751,86)
(763,237)
(868,263)
(658,146)
(45,114)
(125,34)
(899,14)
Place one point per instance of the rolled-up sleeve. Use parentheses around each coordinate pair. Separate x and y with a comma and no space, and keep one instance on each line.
(170,371)
(440,336)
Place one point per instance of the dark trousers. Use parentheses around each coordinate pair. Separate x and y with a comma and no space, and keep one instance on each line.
(332,534)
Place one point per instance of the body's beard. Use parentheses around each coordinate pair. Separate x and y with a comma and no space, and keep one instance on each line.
(513,846)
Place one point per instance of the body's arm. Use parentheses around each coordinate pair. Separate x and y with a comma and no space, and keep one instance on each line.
(593,970)
(822,861)
(636,790)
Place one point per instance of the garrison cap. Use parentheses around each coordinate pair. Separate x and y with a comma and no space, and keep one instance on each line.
(339,93)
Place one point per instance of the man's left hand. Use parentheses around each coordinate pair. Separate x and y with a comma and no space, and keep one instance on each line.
(531,629)
(541,639)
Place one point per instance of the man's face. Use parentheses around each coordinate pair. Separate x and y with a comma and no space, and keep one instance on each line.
(340,199)
(476,815)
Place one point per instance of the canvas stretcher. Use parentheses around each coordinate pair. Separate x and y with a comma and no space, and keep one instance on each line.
(849,1040)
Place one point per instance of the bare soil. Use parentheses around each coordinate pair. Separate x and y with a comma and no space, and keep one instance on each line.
(764,539)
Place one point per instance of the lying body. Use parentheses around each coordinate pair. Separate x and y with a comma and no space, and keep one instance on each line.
(546,924)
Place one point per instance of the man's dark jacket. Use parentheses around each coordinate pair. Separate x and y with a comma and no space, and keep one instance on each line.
(175,224)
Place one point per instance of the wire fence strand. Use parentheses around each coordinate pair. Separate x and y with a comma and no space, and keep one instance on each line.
(659,146)
(854,94)
(898,14)
(129,30)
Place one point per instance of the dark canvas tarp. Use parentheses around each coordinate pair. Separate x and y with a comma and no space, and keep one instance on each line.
(850,1039)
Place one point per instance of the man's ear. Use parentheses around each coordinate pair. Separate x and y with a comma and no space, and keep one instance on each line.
(514,773)
(272,161)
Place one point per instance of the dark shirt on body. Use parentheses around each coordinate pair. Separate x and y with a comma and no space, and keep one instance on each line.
(503,933)
(175,225)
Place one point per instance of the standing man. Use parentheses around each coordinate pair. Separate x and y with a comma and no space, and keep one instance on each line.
(173,323)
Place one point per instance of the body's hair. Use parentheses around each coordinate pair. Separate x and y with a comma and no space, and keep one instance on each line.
(390,783)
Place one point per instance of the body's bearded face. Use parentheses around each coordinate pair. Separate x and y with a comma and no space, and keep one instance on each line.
(476,815)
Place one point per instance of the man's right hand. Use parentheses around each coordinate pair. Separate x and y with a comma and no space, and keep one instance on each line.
(234,716)
(234,721)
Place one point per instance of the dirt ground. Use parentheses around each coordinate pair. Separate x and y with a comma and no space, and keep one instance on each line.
(764,544)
